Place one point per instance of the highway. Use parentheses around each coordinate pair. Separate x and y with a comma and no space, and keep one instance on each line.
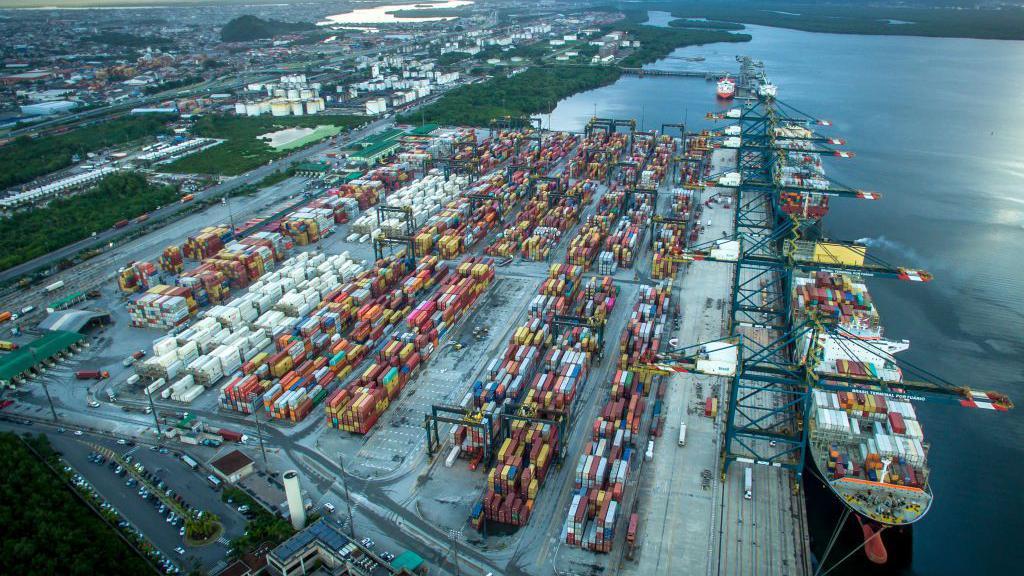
(170,210)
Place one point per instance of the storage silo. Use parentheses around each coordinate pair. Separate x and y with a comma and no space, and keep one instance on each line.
(292,490)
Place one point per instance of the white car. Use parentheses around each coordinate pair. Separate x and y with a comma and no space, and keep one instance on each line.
(121,441)
(78,432)
(179,550)
(94,404)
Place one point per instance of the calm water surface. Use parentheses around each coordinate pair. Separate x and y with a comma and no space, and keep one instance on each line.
(379,14)
(938,128)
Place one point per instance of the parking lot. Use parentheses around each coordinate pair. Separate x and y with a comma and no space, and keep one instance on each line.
(149,515)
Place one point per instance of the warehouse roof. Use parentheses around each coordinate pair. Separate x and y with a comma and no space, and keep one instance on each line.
(22,359)
(409,560)
(72,320)
(423,130)
(231,462)
(312,167)
(371,152)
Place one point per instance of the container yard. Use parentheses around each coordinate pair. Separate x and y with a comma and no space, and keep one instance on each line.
(473,322)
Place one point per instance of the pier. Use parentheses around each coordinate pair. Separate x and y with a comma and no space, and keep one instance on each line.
(707,75)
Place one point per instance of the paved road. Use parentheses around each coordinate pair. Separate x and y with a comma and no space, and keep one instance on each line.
(214,191)
(142,514)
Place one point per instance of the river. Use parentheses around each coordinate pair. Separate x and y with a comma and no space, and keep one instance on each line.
(381,14)
(937,125)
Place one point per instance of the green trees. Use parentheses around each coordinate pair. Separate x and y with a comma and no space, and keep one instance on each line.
(856,18)
(26,158)
(657,43)
(119,196)
(200,529)
(263,527)
(535,91)
(248,27)
(47,530)
(449,58)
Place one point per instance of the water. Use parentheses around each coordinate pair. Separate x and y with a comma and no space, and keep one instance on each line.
(937,126)
(379,14)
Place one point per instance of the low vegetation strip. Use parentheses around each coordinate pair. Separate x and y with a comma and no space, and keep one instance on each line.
(243,150)
(26,159)
(46,529)
(120,196)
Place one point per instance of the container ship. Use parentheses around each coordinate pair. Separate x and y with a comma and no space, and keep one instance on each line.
(726,88)
(802,172)
(866,451)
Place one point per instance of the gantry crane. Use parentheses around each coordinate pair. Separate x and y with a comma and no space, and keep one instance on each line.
(775,356)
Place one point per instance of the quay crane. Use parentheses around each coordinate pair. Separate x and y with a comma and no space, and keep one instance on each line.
(771,388)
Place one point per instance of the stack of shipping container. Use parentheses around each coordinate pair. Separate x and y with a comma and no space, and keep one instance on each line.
(543,370)
(603,469)
(358,406)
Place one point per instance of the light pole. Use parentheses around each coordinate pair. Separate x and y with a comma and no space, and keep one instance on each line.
(348,498)
(46,389)
(456,538)
(152,409)
(259,429)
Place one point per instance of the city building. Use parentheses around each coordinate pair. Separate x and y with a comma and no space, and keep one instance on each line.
(323,547)
(233,466)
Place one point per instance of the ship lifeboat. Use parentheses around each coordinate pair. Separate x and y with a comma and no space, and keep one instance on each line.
(874,548)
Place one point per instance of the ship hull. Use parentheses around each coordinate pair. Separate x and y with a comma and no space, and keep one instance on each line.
(891,552)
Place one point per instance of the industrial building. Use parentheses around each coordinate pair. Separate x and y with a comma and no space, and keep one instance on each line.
(48,108)
(292,95)
(45,191)
(32,358)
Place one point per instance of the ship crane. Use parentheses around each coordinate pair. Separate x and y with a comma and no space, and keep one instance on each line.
(835,189)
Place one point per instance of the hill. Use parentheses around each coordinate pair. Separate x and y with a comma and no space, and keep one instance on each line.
(248,27)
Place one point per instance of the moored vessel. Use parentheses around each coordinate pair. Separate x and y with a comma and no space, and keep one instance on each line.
(726,88)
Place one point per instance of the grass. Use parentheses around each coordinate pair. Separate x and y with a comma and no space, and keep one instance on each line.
(243,151)
(319,133)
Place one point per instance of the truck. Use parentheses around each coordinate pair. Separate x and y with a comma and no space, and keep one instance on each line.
(230,435)
(8,346)
(92,374)
(682,434)
(189,462)
(55,286)
(5,316)
(187,198)
(748,483)
(120,224)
